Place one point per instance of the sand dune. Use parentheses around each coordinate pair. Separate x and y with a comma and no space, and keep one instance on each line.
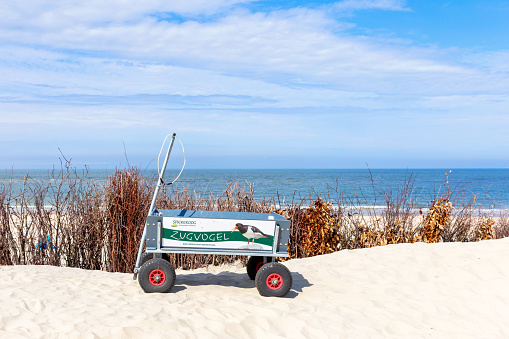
(441,290)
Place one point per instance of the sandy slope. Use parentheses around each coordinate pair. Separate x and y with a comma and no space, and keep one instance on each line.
(408,290)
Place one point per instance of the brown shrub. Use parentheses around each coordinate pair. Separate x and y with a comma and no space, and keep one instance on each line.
(501,228)
(437,220)
(485,230)
(319,229)
(127,200)
(6,240)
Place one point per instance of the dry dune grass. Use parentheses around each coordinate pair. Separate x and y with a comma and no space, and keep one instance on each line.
(94,226)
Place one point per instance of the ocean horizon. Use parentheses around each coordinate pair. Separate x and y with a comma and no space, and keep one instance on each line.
(361,187)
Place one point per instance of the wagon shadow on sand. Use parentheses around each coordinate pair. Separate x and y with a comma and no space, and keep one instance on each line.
(231,279)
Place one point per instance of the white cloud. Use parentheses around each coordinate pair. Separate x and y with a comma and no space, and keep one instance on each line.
(388,5)
(49,14)
(493,61)
(57,80)
(93,66)
(99,40)
(294,47)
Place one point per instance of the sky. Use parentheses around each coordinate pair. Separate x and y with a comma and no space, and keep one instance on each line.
(255,84)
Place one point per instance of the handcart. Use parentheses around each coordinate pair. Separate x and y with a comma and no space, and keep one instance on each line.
(262,236)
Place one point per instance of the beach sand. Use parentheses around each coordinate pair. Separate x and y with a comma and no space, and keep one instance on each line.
(445,290)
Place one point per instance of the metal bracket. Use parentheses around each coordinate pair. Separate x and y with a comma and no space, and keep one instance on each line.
(277,236)
(159,233)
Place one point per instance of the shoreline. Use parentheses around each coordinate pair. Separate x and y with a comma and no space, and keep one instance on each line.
(362,208)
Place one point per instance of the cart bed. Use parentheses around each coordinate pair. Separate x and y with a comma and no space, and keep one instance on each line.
(213,232)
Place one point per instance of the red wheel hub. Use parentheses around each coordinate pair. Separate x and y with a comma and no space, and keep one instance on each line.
(274,281)
(157,277)
(259,265)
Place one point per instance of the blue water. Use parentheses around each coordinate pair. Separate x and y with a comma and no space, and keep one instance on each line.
(361,187)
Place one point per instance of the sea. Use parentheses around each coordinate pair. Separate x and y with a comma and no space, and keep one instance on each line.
(359,187)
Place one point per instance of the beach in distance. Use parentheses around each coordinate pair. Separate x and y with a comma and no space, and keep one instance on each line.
(442,290)
(348,186)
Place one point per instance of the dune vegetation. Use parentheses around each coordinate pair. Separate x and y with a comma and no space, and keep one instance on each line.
(76,222)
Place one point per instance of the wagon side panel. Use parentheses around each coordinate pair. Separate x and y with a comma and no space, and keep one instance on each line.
(219,234)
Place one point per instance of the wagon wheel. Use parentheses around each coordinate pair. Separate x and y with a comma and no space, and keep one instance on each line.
(147,256)
(273,280)
(157,276)
(254,264)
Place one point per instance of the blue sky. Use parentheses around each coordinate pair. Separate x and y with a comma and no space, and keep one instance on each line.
(255,84)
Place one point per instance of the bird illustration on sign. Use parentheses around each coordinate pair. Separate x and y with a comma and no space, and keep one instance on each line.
(250,232)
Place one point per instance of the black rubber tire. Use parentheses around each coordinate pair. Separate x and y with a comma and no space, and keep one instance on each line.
(253,265)
(157,276)
(273,280)
(147,256)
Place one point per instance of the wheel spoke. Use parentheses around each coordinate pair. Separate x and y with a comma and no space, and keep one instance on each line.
(274,281)
(157,277)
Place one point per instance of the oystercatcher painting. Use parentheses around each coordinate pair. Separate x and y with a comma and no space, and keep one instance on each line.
(250,232)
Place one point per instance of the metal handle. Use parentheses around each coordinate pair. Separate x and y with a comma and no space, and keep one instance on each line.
(151,209)
(160,181)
